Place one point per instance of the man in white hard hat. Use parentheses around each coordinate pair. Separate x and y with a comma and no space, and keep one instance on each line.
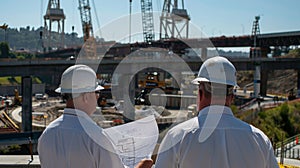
(74,140)
(215,138)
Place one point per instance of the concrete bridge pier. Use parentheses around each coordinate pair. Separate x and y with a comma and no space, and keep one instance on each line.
(263,82)
(264,72)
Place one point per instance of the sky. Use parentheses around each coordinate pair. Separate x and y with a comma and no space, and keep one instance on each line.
(209,17)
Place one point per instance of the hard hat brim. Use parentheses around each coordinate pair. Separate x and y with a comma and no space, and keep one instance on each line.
(60,90)
(198,80)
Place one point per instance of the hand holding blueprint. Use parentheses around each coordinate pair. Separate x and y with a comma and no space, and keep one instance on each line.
(134,141)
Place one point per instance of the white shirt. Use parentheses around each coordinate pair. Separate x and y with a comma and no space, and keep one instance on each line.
(225,142)
(74,140)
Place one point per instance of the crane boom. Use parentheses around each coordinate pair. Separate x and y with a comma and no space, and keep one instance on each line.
(147,19)
(86,19)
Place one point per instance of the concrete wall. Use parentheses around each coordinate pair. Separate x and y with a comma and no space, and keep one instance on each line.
(10,90)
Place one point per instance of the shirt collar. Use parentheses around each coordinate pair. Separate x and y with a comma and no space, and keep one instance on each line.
(78,113)
(215,109)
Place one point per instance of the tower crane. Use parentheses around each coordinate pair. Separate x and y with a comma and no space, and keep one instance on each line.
(89,47)
(86,19)
(54,14)
(147,19)
(174,21)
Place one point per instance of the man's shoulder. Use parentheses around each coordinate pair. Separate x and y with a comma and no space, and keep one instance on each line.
(258,132)
(184,127)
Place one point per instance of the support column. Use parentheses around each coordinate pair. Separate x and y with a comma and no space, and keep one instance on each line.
(203,54)
(26,104)
(263,73)
(257,80)
(264,82)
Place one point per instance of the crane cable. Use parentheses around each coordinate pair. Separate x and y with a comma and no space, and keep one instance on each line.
(97,19)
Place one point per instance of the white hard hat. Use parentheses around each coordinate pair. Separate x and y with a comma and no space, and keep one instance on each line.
(78,79)
(217,70)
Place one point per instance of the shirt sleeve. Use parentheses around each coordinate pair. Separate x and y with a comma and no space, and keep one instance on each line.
(271,159)
(167,153)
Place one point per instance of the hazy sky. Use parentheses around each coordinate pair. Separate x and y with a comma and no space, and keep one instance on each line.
(213,17)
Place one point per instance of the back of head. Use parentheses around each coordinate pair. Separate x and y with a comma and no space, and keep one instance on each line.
(216,80)
(78,79)
(217,70)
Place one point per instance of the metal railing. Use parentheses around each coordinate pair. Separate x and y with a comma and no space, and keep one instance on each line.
(285,148)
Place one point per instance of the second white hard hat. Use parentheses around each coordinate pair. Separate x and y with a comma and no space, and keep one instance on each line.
(217,70)
(78,79)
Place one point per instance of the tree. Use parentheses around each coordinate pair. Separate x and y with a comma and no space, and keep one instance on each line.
(4,50)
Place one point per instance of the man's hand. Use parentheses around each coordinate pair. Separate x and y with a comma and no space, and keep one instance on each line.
(145,163)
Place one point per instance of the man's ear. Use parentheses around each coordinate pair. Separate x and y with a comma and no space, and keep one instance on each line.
(85,97)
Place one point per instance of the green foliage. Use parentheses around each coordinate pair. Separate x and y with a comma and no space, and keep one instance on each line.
(282,120)
(17,80)
(4,50)
(7,149)
(28,38)
(295,52)
(234,109)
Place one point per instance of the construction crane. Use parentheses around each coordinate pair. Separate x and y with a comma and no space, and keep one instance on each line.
(86,19)
(174,21)
(255,52)
(54,14)
(89,48)
(147,19)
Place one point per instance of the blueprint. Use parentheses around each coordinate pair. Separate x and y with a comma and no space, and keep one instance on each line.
(134,141)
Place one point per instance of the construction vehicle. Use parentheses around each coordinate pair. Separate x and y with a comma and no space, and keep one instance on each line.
(151,81)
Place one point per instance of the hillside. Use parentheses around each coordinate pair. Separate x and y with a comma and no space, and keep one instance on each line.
(28,38)
(280,82)
(277,122)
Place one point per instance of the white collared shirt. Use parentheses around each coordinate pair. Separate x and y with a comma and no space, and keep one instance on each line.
(215,139)
(74,140)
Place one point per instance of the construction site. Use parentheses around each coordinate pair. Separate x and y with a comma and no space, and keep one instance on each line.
(138,78)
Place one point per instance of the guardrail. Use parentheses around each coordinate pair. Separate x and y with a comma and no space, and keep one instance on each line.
(284,148)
